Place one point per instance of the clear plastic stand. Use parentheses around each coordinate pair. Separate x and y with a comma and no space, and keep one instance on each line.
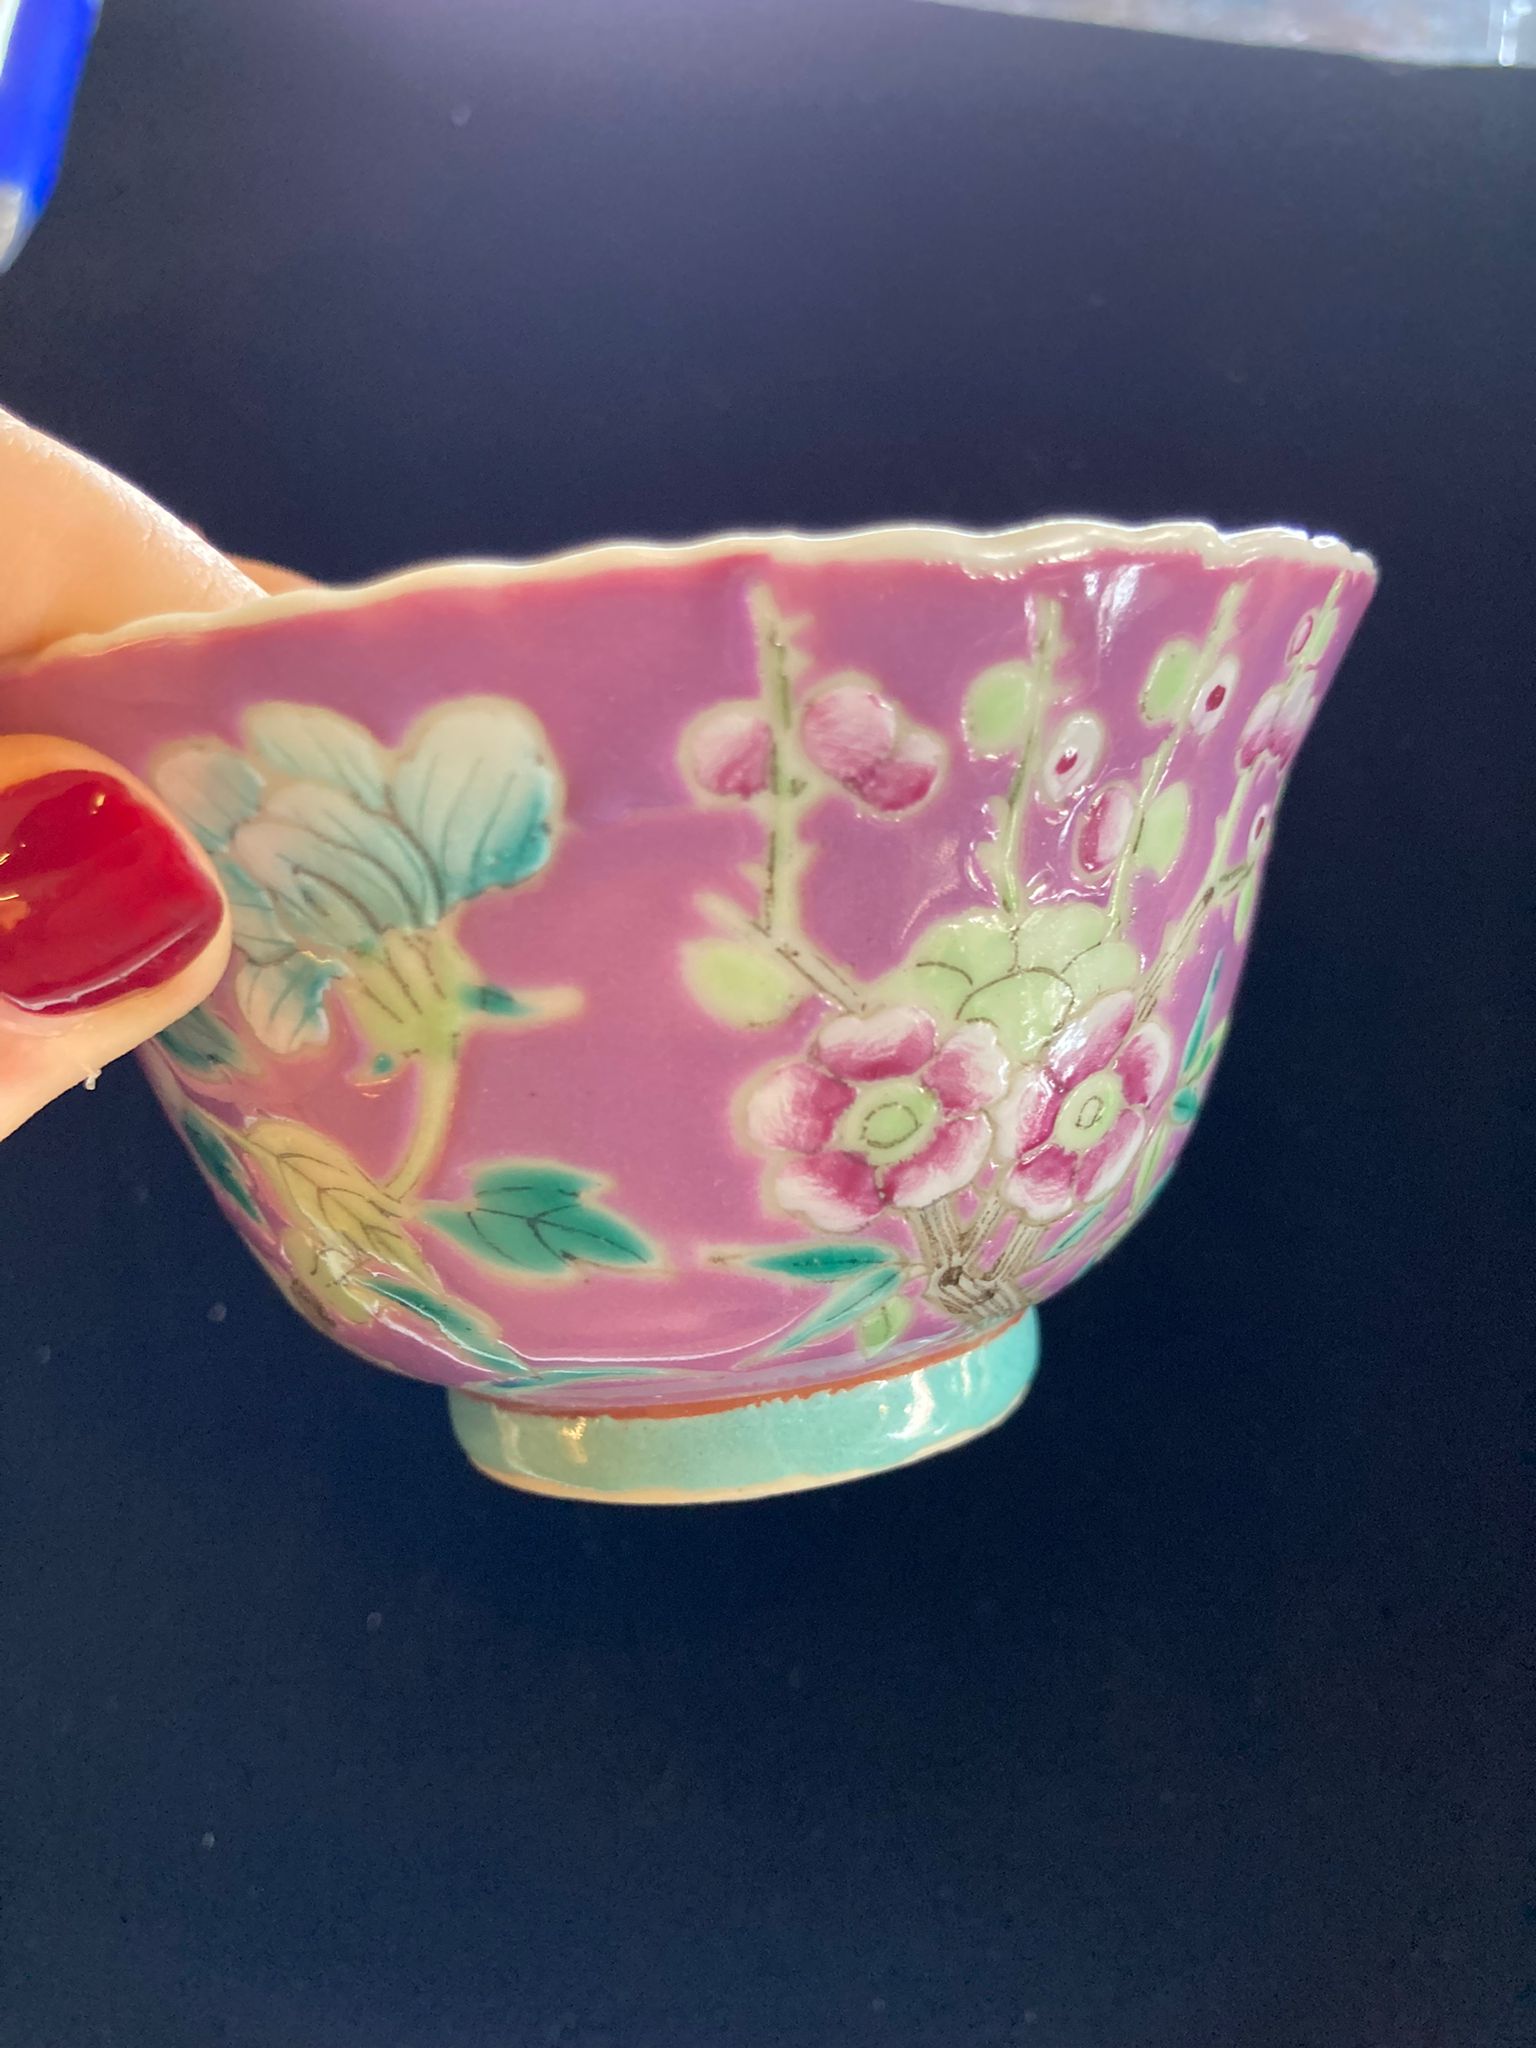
(1447,32)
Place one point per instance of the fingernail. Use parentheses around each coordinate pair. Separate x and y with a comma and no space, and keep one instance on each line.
(43,45)
(98,895)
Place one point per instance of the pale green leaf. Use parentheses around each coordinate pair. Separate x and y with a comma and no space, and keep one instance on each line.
(1024,1009)
(741,982)
(1171,682)
(1163,830)
(883,1325)
(1001,706)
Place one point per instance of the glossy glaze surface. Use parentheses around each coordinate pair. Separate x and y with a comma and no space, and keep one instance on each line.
(675,977)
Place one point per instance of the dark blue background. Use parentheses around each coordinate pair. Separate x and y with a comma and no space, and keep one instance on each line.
(1187,1710)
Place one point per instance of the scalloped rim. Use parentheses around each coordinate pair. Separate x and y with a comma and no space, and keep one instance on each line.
(983,552)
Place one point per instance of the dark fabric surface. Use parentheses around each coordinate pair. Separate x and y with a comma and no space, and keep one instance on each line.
(1190,1709)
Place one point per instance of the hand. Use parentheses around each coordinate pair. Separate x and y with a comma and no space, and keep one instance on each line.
(112,924)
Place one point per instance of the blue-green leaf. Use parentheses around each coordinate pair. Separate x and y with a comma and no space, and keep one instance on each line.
(823,1261)
(1080,1229)
(1202,1016)
(1205,1059)
(201,1042)
(1184,1105)
(466,1334)
(849,1305)
(495,1002)
(217,1159)
(459,1327)
(539,1218)
(528,1190)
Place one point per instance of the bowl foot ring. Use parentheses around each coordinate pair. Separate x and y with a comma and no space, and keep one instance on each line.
(782,1444)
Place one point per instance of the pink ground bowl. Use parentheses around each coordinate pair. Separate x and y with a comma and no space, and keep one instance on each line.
(693,1003)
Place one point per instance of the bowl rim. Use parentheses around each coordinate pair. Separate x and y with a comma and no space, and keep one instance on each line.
(983,551)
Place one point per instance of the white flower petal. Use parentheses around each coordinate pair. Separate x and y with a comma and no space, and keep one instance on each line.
(284,1002)
(339,876)
(315,745)
(211,788)
(478,789)
(255,926)
(394,864)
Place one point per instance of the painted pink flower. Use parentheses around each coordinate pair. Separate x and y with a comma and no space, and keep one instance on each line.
(1278,723)
(1073,756)
(1305,627)
(1215,698)
(730,751)
(854,735)
(1104,828)
(1067,1130)
(883,1112)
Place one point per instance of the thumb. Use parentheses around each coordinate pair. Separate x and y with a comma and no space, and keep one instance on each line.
(111,923)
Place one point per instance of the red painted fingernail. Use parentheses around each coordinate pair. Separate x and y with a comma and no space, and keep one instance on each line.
(98,895)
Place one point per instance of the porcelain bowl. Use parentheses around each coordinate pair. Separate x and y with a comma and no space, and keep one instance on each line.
(694,1002)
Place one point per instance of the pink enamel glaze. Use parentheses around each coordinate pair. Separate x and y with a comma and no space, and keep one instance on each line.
(777,778)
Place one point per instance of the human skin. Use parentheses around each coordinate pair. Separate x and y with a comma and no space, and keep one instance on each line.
(111,923)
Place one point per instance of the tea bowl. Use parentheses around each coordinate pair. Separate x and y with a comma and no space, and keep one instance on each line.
(694,1002)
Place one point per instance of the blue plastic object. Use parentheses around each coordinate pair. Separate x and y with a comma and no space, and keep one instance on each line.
(43,45)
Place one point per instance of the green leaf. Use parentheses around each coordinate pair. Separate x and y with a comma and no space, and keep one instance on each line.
(1024,1009)
(1202,1021)
(455,1323)
(1184,1105)
(495,1002)
(1206,1058)
(467,1335)
(883,1325)
(1150,1178)
(218,1160)
(538,1219)
(848,1305)
(1247,902)
(520,1190)
(1170,684)
(1001,706)
(823,1261)
(201,1042)
(315,1180)
(741,982)
(1079,1230)
(1161,838)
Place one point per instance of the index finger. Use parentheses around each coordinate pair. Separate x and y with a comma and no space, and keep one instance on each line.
(87,552)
